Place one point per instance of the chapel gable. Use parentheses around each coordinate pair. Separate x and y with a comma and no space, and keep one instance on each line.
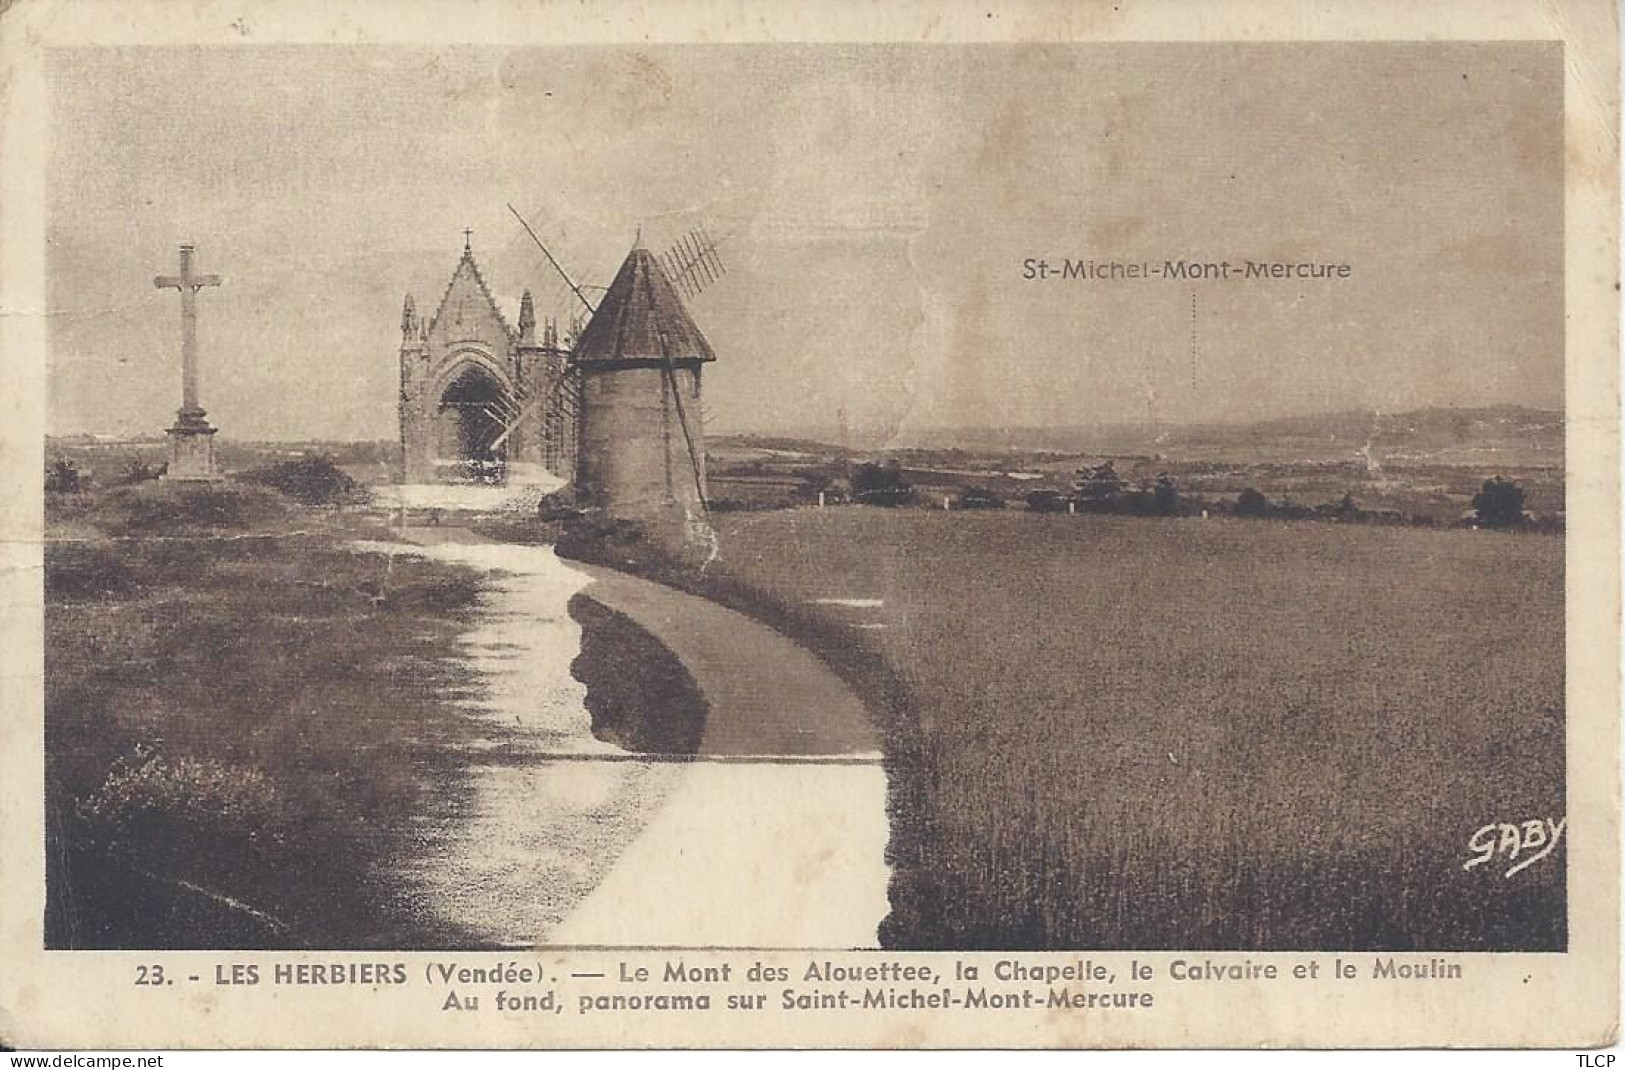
(468,313)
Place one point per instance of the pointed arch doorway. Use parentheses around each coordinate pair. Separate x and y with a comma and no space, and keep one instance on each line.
(469,422)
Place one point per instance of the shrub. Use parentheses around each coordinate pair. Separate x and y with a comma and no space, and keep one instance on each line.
(875,484)
(1291,510)
(311,480)
(1097,484)
(171,812)
(1046,501)
(182,508)
(835,491)
(557,506)
(138,471)
(1165,496)
(1499,504)
(61,476)
(1252,503)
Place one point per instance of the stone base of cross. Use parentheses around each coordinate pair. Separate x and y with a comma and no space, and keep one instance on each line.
(191,449)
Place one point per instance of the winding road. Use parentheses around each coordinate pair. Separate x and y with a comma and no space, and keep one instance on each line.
(772,836)
(767,696)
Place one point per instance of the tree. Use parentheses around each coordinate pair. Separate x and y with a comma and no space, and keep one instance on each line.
(1499,504)
(1165,496)
(1252,503)
(875,484)
(1098,484)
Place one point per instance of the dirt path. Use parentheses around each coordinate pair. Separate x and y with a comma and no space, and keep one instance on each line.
(774,836)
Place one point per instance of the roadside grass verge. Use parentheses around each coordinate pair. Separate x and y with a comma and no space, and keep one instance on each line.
(640,697)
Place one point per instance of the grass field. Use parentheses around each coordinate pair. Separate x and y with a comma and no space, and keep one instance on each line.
(1110,732)
(247,724)
(1100,732)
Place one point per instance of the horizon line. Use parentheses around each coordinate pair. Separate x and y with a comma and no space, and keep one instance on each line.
(821,433)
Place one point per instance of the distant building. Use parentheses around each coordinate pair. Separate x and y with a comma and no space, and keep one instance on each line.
(480,400)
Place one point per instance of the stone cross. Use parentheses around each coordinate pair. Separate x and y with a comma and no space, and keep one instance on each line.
(188,284)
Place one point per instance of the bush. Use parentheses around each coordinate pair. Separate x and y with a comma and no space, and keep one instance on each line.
(186,508)
(1165,496)
(138,471)
(835,491)
(311,480)
(61,476)
(558,506)
(1252,503)
(1499,504)
(173,812)
(1046,501)
(1097,484)
(875,484)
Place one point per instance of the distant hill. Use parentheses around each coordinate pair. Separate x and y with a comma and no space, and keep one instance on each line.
(1512,435)
(1419,428)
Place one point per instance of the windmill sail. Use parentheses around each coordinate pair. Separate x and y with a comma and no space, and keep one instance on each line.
(693,263)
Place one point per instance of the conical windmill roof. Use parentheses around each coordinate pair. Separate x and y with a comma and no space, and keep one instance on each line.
(641,318)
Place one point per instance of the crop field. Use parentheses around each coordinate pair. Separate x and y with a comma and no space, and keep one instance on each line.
(1110,732)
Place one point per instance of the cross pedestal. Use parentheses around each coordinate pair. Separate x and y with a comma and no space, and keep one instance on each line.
(191,449)
(191,439)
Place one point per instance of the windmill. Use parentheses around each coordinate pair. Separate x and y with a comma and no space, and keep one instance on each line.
(622,459)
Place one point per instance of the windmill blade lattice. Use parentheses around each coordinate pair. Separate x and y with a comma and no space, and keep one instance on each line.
(692,263)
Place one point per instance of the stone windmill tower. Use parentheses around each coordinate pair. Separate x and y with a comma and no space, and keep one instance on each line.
(641,445)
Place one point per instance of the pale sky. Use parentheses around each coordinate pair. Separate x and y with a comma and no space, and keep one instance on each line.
(875,205)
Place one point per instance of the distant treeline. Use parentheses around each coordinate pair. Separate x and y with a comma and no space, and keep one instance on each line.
(1499,503)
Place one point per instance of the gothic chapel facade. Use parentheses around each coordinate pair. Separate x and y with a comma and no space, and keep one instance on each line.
(481,400)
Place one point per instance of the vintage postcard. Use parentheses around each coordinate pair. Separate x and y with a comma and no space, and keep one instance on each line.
(1040,525)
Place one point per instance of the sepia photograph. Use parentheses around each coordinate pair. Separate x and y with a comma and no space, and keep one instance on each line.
(722,500)
(576,446)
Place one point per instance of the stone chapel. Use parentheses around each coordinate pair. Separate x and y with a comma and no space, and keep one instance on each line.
(482,401)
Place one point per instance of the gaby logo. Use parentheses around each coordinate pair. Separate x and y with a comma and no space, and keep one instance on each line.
(1523,844)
